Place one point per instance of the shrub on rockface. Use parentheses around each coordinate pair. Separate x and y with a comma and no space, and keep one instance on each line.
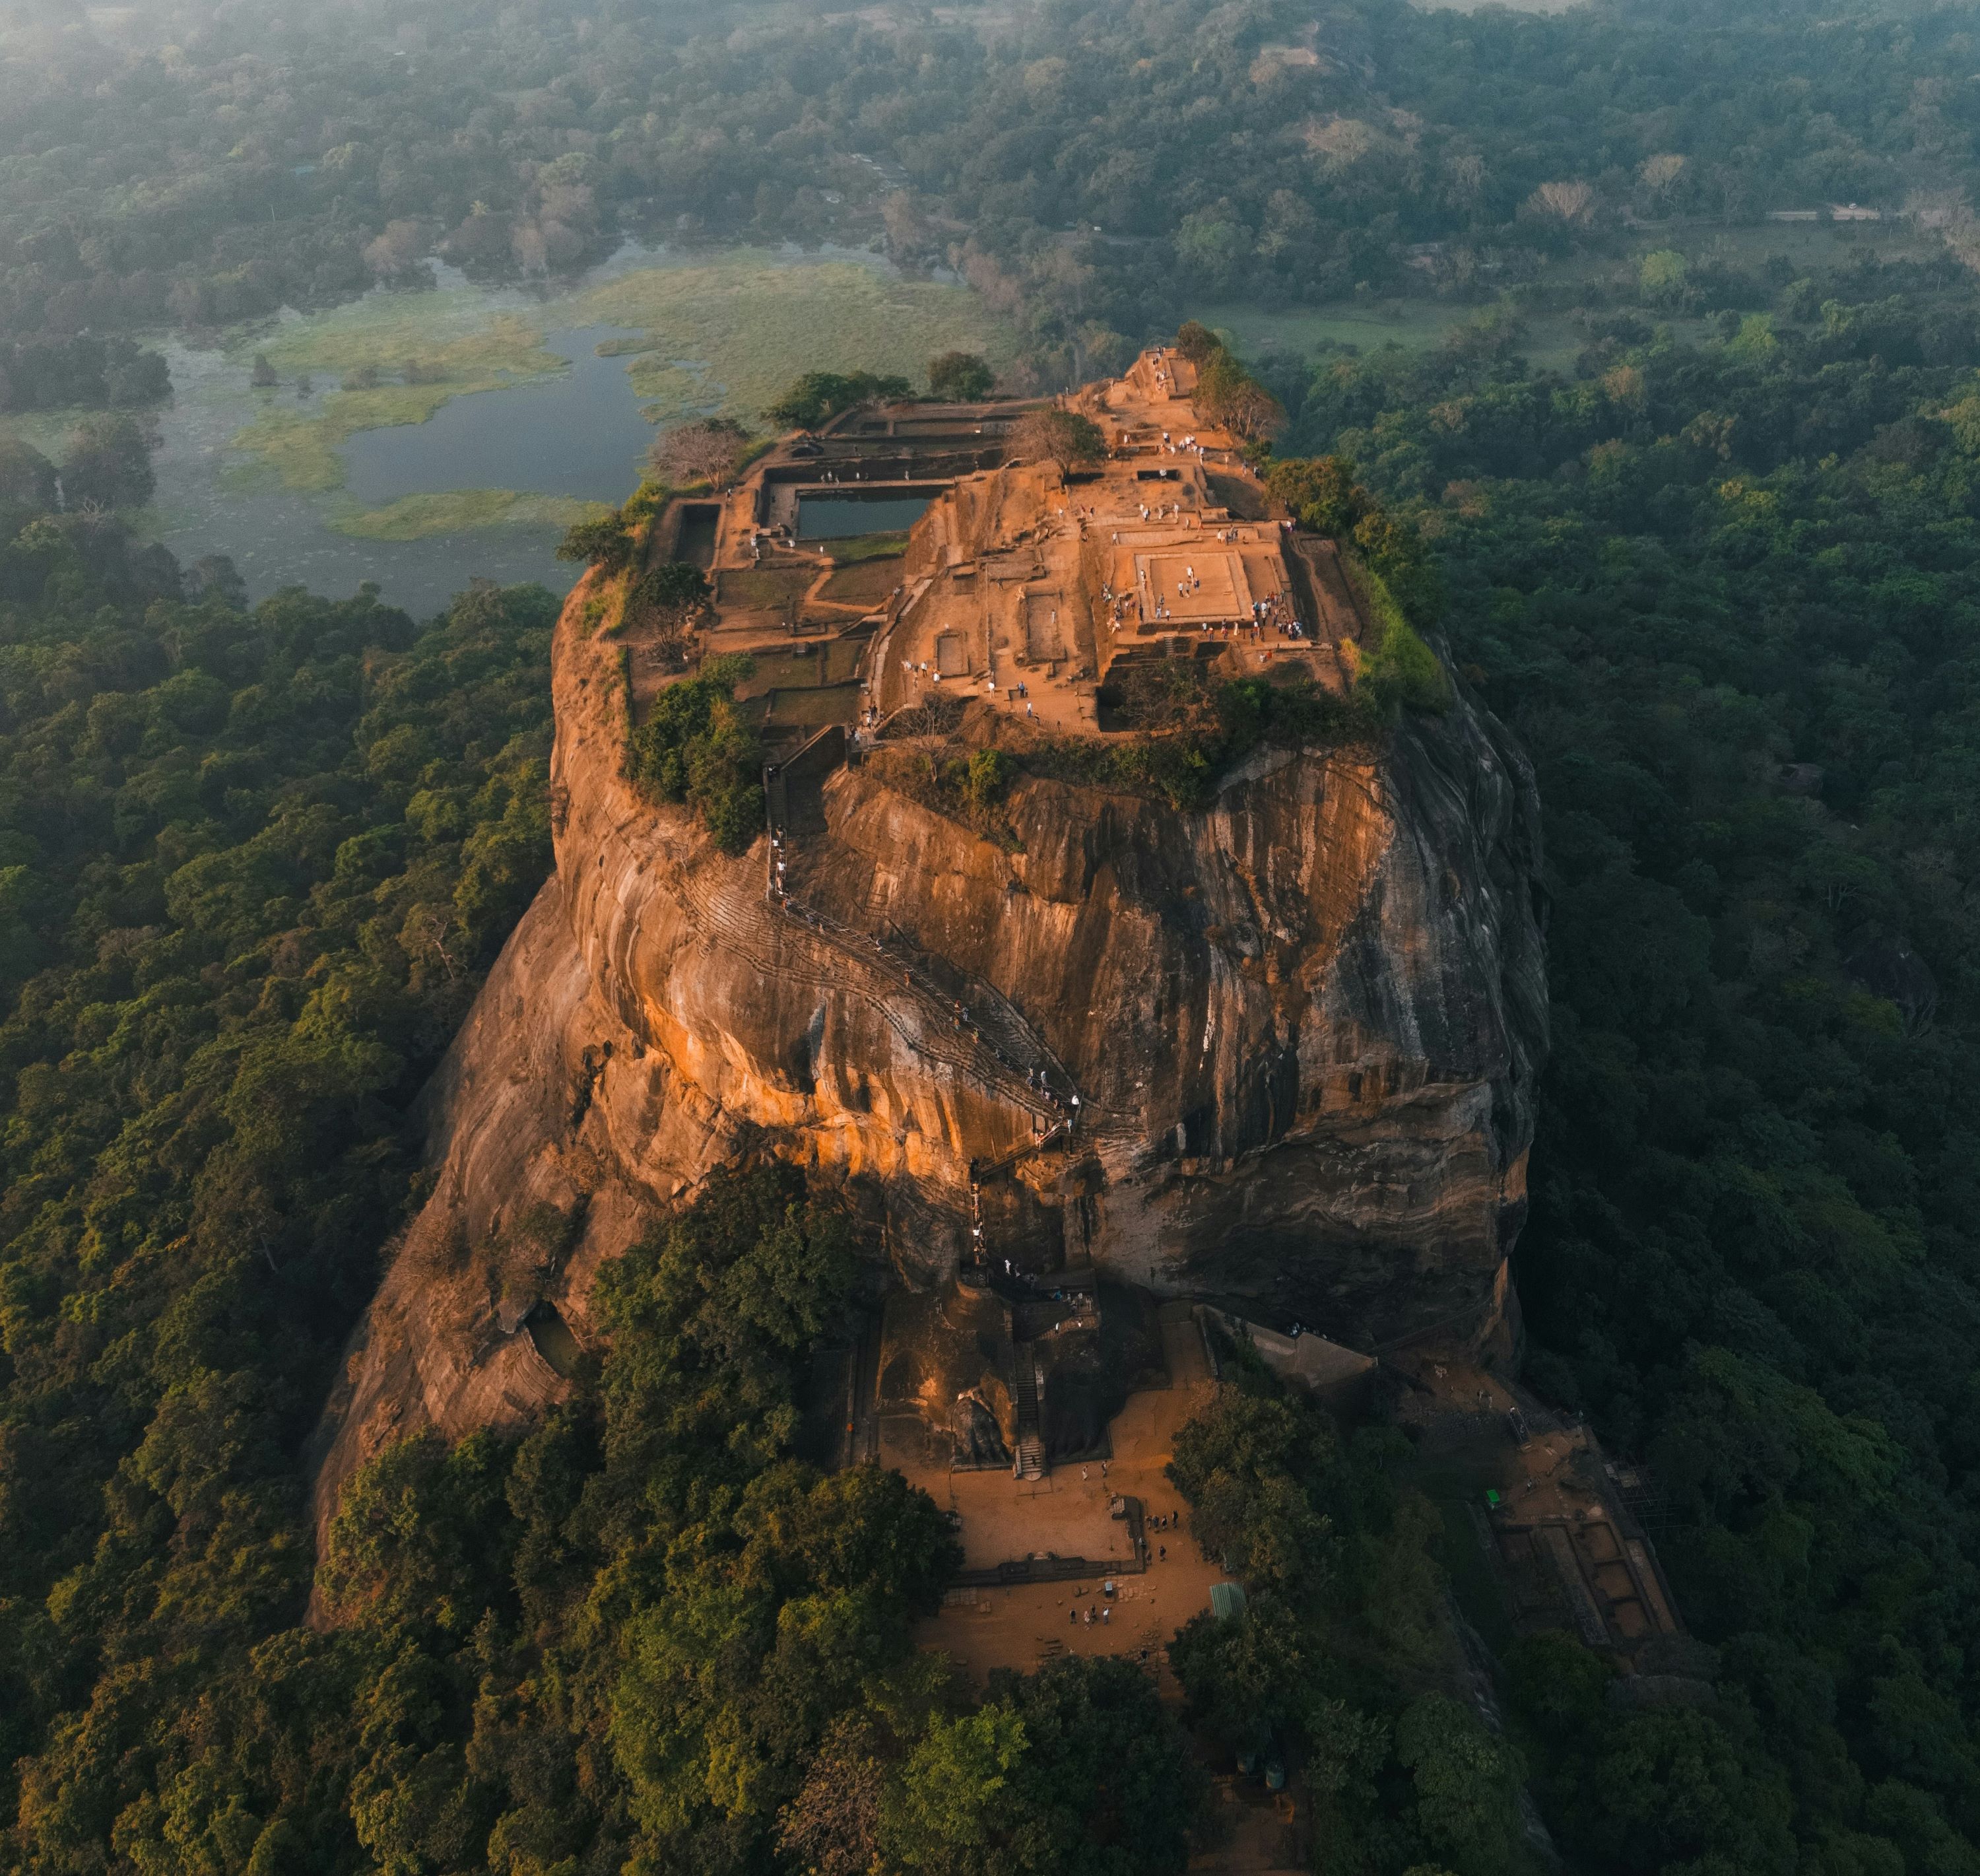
(695,747)
(1393,666)
(1397,581)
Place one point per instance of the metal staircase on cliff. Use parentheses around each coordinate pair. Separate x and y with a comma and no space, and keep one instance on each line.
(1031,1460)
(987,1028)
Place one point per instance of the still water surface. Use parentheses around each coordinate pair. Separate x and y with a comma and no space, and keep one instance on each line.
(276,537)
(580,434)
(839,517)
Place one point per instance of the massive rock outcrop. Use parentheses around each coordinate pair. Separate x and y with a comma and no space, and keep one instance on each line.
(1303,1024)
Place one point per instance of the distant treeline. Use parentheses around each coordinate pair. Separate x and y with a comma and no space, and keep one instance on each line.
(1096,172)
(98,374)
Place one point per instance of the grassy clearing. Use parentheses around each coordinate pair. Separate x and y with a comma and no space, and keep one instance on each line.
(49,431)
(765,589)
(734,332)
(671,389)
(1813,247)
(824,663)
(1416,325)
(865,584)
(1412,324)
(1552,338)
(812,710)
(850,553)
(456,330)
(415,517)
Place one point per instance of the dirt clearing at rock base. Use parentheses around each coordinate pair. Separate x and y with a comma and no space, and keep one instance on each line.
(1069,1512)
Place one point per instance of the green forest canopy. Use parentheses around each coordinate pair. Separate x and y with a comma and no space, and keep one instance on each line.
(253,865)
(1097,168)
(256,861)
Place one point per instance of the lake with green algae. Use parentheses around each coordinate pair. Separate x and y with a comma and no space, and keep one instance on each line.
(420,440)
(579,433)
(208,502)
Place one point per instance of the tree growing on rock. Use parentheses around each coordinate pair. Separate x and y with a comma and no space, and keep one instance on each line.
(1062,437)
(603,543)
(1228,394)
(670,595)
(818,397)
(1196,341)
(710,450)
(1321,492)
(960,377)
(695,747)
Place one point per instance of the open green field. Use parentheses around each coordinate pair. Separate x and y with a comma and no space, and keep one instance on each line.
(1416,325)
(1551,336)
(731,334)
(812,710)
(1806,247)
(851,551)
(765,589)
(863,580)
(458,331)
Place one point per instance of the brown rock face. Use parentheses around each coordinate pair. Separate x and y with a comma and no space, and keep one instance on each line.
(1303,1025)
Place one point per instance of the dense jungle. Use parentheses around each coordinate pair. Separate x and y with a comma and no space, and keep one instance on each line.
(1689,499)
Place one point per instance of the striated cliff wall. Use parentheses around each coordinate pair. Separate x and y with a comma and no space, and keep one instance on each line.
(1278,1054)
(1304,1024)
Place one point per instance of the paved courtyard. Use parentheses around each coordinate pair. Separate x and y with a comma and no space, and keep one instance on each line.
(1002,1517)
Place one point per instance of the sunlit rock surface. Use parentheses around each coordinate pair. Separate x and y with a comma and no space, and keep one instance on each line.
(1303,1024)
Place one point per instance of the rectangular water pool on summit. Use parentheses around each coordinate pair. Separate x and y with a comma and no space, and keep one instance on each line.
(844,517)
